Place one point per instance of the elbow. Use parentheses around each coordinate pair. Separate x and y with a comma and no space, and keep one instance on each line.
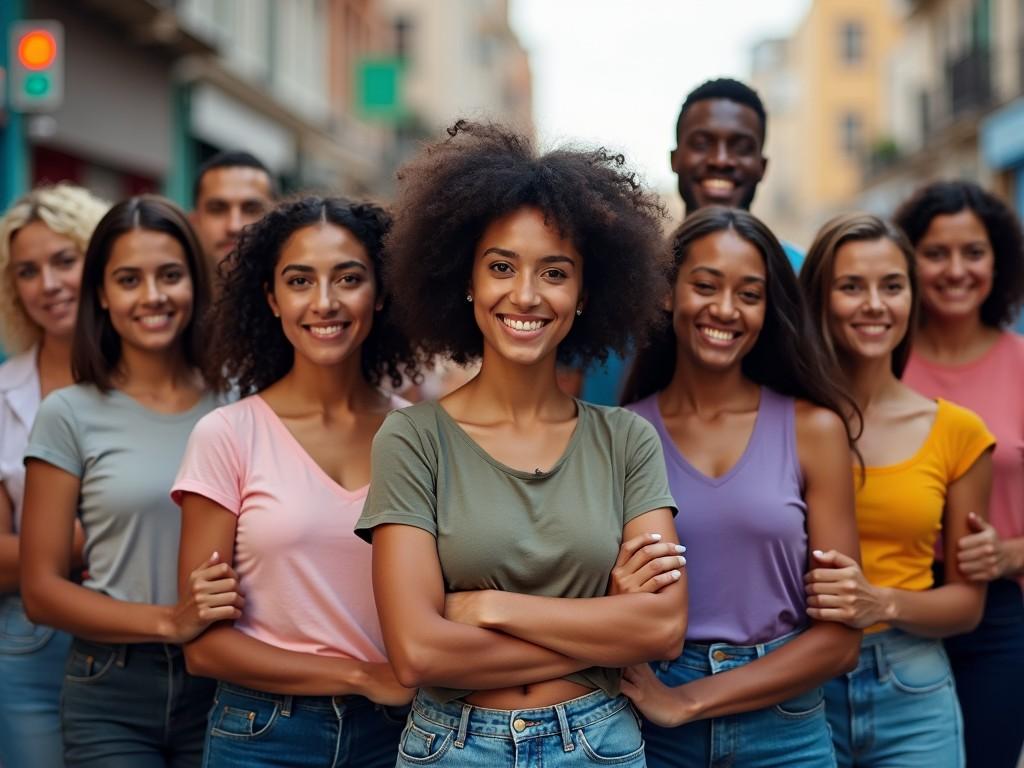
(411,663)
(849,655)
(34,603)
(668,636)
(197,662)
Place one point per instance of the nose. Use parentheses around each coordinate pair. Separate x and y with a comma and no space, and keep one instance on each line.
(725,309)
(720,154)
(325,300)
(957,266)
(50,282)
(235,219)
(874,300)
(153,293)
(524,292)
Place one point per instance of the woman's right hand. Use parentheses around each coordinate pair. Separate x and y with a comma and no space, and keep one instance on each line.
(646,564)
(382,687)
(212,595)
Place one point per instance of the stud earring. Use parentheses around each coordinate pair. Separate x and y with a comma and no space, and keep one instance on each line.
(469,298)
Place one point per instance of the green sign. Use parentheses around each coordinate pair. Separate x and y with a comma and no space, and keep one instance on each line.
(379,89)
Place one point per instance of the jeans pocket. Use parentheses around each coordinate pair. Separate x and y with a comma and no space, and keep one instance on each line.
(922,671)
(17,633)
(807,704)
(242,717)
(615,740)
(424,741)
(89,667)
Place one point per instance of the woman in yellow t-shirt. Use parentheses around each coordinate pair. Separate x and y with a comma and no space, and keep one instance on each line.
(927,466)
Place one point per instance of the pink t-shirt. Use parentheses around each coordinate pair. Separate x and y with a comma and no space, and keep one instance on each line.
(993,387)
(304,573)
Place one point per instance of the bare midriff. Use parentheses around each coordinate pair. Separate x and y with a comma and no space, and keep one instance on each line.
(545,694)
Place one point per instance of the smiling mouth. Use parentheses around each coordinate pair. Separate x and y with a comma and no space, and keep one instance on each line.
(871,329)
(156,322)
(524,326)
(328,331)
(718,335)
(718,187)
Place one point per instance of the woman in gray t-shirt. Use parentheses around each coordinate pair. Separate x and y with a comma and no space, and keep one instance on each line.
(497,513)
(105,451)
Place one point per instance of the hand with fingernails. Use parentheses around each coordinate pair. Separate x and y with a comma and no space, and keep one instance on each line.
(646,564)
(981,555)
(212,595)
(837,590)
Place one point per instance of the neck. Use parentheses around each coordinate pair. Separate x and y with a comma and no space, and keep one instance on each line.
(330,387)
(705,391)
(152,370)
(55,352)
(951,338)
(870,380)
(516,390)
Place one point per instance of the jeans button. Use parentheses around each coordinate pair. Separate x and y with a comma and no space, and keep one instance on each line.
(719,656)
(519,724)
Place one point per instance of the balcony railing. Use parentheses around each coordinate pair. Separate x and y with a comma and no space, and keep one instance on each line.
(969,81)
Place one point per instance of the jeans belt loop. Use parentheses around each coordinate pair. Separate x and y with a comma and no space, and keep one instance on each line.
(460,738)
(286,706)
(121,655)
(881,662)
(563,727)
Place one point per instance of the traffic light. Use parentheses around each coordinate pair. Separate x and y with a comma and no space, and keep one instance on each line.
(36,82)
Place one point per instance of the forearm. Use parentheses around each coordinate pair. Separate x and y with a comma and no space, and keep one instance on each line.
(451,655)
(9,562)
(951,609)
(225,653)
(1015,555)
(611,631)
(59,603)
(822,652)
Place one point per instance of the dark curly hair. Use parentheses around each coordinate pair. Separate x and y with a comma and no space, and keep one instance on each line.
(789,355)
(451,191)
(247,347)
(942,198)
(730,90)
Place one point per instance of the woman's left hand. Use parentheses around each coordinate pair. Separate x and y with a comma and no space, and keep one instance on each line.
(838,591)
(981,555)
(664,706)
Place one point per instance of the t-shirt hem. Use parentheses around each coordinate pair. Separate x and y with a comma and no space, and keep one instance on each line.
(201,489)
(364,528)
(649,506)
(58,460)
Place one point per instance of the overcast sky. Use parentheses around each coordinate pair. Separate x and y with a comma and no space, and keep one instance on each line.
(615,72)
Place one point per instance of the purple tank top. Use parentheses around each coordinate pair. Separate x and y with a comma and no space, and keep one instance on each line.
(745,532)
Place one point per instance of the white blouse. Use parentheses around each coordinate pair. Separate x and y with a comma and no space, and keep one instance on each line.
(19,402)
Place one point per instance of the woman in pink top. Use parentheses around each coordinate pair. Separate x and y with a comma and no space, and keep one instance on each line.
(970,262)
(275,482)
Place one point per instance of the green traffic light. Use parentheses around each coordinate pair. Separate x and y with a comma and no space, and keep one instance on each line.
(37,85)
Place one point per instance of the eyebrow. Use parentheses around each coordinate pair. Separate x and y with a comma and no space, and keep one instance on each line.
(166,265)
(305,269)
(889,276)
(719,273)
(555,258)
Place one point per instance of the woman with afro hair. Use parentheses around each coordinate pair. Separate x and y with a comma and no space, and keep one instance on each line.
(508,519)
(274,483)
(970,263)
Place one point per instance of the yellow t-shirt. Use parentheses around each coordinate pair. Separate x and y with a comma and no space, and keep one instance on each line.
(900,506)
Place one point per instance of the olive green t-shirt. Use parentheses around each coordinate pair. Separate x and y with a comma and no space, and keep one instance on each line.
(554,533)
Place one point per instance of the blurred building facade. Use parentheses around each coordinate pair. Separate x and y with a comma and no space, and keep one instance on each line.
(153,87)
(825,91)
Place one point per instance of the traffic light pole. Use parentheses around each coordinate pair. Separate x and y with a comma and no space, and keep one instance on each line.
(14,168)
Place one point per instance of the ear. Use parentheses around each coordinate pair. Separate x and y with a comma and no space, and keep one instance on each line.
(672,158)
(764,168)
(379,304)
(272,300)
(103,299)
(666,301)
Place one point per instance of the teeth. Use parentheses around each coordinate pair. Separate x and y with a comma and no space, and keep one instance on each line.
(714,333)
(873,328)
(324,330)
(718,185)
(154,321)
(523,325)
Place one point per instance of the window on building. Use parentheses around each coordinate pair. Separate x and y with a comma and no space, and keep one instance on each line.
(851,42)
(851,134)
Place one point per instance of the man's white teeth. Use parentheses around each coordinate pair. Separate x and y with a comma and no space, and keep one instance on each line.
(718,185)
(717,335)
(324,330)
(154,321)
(523,325)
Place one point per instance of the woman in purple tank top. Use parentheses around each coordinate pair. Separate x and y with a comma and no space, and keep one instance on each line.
(747,408)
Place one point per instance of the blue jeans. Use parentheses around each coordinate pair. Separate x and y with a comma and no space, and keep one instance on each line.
(898,708)
(791,733)
(31,667)
(252,729)
(590,730)
(132,706)
(988,666)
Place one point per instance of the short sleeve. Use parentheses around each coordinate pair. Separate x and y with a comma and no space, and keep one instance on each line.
(966,439)
(646,485)
(212,465)
(55,436)
(403,479)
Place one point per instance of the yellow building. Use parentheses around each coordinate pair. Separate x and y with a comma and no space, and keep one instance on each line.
(824,91)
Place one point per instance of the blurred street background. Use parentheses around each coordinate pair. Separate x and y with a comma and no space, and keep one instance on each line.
(866,98)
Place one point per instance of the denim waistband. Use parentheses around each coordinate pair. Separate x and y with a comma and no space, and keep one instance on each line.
(715,657)
(124,651)
(289,703)
(880,649)
(519,724)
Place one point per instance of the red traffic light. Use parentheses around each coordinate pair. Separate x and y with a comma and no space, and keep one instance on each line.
(37,49)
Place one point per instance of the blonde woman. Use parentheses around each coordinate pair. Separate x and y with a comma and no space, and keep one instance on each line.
(42,240)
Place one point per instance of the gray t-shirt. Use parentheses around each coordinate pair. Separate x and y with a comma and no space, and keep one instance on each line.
(554,533)
(126,457)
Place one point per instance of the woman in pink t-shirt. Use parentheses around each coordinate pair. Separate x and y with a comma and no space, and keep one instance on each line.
(970,263)
(274,483)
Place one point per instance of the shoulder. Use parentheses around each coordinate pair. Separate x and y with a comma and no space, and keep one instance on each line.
(1012,346)
(19,371)
(955,419)
(818,426)
(647,407)
(617,419)
(77,399)
(414,425)
(230,420)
